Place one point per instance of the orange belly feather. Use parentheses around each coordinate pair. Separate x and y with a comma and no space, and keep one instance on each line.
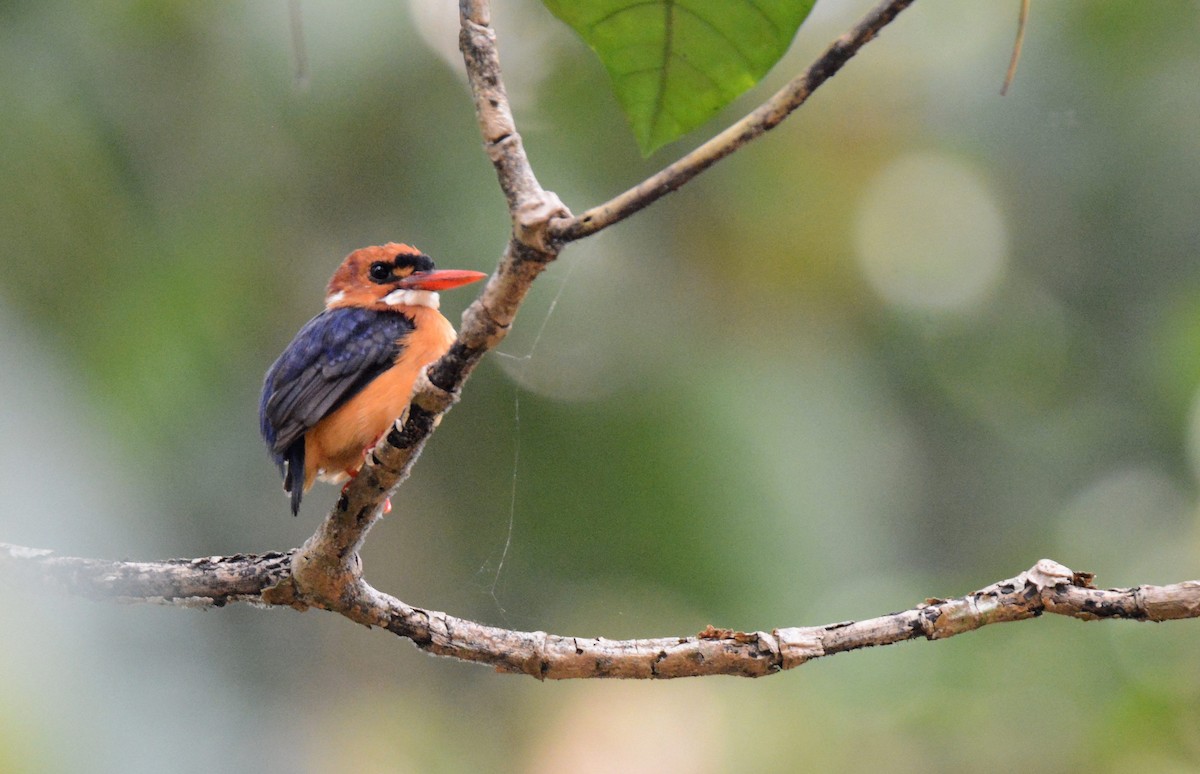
(333,448)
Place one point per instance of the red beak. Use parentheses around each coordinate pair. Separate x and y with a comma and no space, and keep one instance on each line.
(440,279)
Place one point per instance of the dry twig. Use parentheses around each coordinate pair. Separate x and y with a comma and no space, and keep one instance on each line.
(1047,587)
(759,121)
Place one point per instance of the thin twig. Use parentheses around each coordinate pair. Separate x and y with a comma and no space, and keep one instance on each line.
(759,121)
(329,558)
(299,49)
(1022,21)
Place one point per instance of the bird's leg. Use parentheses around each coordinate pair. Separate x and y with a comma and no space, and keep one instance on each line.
(387,501)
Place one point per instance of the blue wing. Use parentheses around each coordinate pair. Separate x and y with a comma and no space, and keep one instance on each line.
(333,357)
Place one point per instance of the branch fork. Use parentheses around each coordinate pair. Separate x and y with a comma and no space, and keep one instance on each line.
(326,571)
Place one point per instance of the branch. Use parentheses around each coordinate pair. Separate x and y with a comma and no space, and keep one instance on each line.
(205,582)
(329,559)
(759,121)
(1047,587)
(541,224)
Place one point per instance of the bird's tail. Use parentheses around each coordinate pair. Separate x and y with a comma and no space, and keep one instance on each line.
(293,478)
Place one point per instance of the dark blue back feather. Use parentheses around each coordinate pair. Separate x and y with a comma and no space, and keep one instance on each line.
(333,357)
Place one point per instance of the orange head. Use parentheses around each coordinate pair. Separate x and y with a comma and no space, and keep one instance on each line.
(392,275)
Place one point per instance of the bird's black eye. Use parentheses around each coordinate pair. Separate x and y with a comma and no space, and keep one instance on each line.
(380,271)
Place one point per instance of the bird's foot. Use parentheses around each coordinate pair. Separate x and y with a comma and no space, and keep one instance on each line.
(353,474)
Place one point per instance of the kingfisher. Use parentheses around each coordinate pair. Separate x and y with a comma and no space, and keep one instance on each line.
(349,373)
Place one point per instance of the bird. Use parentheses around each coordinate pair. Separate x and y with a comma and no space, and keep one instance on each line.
(349,372)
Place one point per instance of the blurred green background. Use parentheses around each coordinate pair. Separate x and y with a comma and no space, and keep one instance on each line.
(910,342)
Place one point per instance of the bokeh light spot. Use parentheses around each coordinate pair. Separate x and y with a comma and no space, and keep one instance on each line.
(930,235)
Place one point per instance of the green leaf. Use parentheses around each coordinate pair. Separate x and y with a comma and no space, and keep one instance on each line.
(674,63)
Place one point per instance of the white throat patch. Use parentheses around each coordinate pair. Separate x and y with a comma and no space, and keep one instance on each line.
(407,297)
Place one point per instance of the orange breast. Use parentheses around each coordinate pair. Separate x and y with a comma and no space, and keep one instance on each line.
(333,448)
